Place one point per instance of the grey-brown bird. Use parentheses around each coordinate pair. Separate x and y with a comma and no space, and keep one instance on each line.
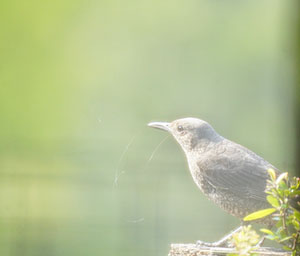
(229,174)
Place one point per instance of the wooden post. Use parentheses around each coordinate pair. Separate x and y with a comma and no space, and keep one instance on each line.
(196,250)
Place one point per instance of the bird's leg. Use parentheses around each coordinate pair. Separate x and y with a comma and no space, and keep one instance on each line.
(223,241)
(261,241)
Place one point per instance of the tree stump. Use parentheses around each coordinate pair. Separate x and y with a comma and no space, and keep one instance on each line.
(196,250)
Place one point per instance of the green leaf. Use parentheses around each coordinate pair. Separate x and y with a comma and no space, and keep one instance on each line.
(283,186)
(281,177)
(297,215)
(279,230)
(286,248)
(297,181)
(296,224)
(272,174)
(284,239)
(295,192)
(273,201)
(287,192)
(280,193)
(259,214)
(267,231)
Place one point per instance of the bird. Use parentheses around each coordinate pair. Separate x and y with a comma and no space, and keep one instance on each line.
(229,174)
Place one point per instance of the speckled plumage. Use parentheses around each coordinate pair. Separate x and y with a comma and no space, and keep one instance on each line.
(229,174)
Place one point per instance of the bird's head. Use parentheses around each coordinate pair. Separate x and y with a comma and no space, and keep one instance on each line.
(190,133)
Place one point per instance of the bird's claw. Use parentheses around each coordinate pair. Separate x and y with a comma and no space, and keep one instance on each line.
(214,244)
(201,243)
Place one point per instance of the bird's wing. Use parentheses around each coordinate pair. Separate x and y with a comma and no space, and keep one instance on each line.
(236,169)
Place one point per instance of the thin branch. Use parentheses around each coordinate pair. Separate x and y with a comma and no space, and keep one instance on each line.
(296,240)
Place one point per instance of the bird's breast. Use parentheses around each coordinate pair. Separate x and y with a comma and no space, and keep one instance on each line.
(198,177)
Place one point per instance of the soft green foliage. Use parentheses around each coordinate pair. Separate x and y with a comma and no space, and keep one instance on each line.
(259,214)
(281,191)
(245,241)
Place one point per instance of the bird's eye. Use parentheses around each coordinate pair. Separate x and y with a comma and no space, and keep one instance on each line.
(180,128)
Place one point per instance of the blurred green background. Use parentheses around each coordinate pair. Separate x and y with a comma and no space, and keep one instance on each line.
(80,173)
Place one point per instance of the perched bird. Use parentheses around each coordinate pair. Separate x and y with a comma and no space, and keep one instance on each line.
(229,174)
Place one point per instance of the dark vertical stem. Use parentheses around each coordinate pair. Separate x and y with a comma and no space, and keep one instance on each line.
(296,241)
(284,222)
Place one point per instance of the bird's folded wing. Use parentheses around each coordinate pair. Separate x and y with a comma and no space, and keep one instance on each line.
(238,171)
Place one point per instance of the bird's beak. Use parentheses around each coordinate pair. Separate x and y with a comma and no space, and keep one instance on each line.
(160,125)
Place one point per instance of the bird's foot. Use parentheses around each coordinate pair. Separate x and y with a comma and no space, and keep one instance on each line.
(201,243)
(226,244)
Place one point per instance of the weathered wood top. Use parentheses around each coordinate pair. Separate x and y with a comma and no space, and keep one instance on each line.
(196,250)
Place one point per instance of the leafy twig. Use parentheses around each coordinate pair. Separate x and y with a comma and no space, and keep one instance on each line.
(283,194)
